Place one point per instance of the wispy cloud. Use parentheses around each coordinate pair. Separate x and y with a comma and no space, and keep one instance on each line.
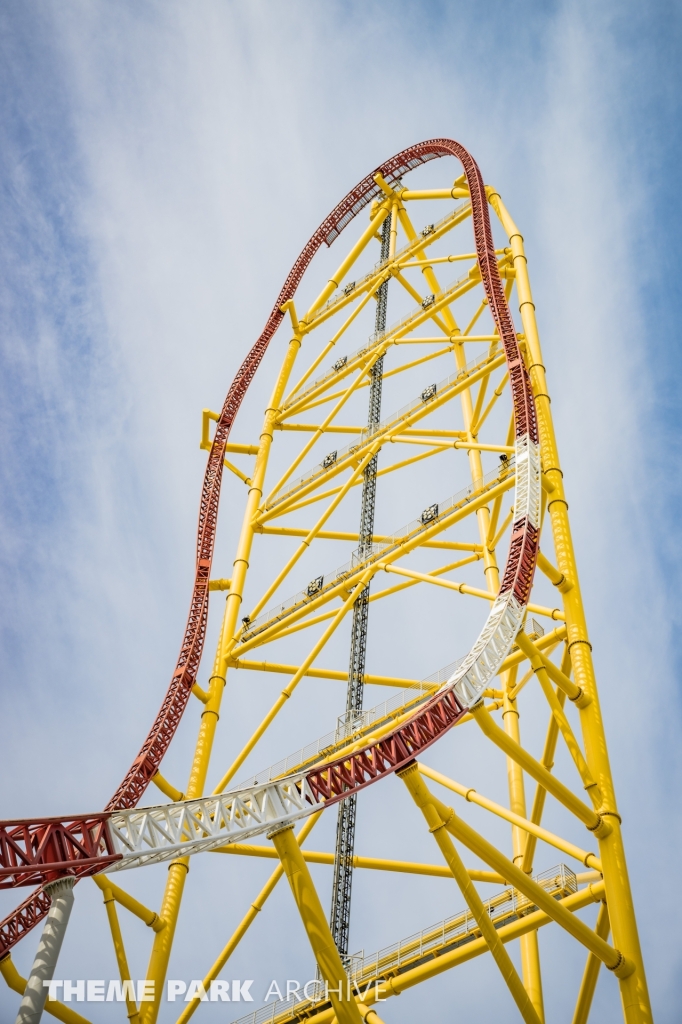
(162,166)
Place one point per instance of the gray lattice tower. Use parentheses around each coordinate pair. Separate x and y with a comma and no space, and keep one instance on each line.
(345,826)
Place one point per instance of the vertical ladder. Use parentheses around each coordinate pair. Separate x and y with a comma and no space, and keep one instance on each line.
(345,826)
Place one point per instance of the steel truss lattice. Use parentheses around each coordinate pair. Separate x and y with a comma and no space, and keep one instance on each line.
(479,414)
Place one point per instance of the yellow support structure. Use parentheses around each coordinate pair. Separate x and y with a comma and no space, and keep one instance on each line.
(177,871)
(246,922)
(592,968)
(315,923)
(460,409)
(121,958)
(634,990)
(422,798)
(369,863)
(150,917)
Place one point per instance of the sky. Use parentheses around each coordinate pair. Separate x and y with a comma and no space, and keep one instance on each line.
(161,166)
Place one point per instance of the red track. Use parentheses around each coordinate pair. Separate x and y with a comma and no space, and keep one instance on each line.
(38,851)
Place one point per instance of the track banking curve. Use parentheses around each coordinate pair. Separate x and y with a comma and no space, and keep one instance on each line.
(35,851)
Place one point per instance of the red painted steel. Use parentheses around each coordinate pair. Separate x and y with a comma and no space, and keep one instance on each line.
(32,851)
(518,574)
(356,771)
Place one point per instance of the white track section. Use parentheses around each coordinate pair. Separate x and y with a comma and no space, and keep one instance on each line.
(507,614)
(153,834)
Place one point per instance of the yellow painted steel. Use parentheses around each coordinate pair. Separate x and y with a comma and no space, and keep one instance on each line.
(593,821)
(462,588)
(634,990)
(422,797)
(547,762)
(394,986)
(369,863)
(473,528)
(150,917)
(52,1006)
(591,972)
(289,689)
(121,958)
(163,784)
(315,923)
(177,871)
(246,922)
(323,673)
(515,818)
(530,952)
(614,959)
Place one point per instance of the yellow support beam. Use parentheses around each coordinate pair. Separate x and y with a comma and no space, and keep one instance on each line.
(315,923)
(613,958)
(592,968)
(405,867)
(422,797)
(150,917)
(518,820)
(177,871)
(324,673)
(219,584)
(593,821)
(547,761)
(634,989)
(432,967)
(290,531)
(246,922)
(121,958)
(530,951)
(463,588)
(288,690)
(163,784)
(314,532)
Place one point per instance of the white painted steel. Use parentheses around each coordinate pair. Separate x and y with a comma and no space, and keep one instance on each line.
(148,835)
(153,834)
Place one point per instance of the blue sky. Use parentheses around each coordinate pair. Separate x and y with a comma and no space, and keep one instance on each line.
(139,142)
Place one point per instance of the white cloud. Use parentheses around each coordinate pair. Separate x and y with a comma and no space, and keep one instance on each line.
(211,139)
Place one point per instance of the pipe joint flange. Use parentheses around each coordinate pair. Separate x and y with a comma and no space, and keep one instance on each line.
(581,699)
(602,829)
(624,968)
(59,886)
(557,501)
(443,824)
(279,828)
(407,768)
(179,862)
(587,642)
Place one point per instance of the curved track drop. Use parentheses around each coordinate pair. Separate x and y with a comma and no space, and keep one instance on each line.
(468,330)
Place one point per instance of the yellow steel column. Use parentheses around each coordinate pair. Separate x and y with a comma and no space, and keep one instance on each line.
(177,871)
(422,797)
(119,949)
(634,991)
(530,952)
(591,973)
(315,923)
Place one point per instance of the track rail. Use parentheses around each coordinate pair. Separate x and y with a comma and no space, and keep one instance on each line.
(35,859)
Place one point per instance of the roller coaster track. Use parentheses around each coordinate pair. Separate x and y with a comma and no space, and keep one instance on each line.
(37,851)
(390,738)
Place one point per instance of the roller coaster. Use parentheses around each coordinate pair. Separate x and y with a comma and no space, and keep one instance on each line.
(488,399)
